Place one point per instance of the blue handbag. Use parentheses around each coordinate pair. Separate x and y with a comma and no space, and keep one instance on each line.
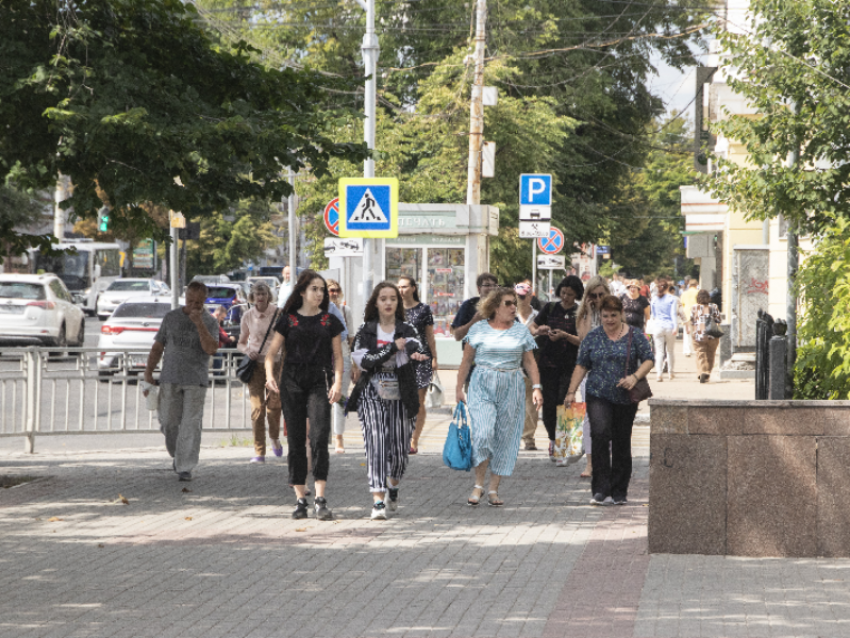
(457,452)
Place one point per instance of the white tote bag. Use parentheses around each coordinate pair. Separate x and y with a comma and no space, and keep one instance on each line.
(434,398)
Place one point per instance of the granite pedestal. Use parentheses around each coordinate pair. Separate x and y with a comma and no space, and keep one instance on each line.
(750,478)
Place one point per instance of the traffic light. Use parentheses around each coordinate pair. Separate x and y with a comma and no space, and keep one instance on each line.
(103,220)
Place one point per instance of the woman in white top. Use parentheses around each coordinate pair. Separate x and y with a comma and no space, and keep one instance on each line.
(338,414)
(256,324)
(526,314)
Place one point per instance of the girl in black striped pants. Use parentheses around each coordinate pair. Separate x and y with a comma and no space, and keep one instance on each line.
(386,395)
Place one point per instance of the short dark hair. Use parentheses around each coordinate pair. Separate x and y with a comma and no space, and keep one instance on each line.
(485,276)
(703,297)
(571,281)
(611,303)
(295,300)
(197,286)
(371,313)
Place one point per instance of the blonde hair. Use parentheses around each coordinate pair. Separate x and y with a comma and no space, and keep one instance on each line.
(334,282)
(257,287)
(589,287)
(488,305)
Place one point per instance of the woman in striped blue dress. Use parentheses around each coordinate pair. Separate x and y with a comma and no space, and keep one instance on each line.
(500,348)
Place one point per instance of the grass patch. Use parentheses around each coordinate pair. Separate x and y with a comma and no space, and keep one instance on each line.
(236,441)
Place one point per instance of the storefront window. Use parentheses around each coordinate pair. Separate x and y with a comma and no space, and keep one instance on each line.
(404,262)
(445,286)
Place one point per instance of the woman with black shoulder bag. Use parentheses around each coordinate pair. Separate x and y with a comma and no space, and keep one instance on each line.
(254,342)
(616,359)
(386,396)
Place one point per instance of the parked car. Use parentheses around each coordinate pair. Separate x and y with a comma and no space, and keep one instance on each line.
(233,297)
(121,290)
(38,309)
(133,324)
(212,280)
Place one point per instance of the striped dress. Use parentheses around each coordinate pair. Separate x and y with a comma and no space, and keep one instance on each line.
(497,394)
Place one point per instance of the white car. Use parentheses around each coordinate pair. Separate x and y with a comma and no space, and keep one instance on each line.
(121,290)
(39,308)
(133,325)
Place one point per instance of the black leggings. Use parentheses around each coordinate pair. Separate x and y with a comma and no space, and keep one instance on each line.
(612,465)
(555,382)
(303,395)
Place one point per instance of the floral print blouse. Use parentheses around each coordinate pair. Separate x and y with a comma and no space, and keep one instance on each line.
(605,361)
(699,317)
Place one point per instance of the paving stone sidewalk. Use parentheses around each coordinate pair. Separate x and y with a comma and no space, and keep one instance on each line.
(223,559)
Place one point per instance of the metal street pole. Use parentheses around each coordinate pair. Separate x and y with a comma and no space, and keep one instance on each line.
(534,264)
(476,109)
(175,274)
(371,50)
(290,210)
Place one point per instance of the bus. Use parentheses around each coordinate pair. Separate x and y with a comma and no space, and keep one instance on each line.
(86,273)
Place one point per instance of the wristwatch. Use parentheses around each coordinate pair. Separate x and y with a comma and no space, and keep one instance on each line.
(537,386)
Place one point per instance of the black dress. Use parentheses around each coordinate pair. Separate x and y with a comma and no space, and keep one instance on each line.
(419,317)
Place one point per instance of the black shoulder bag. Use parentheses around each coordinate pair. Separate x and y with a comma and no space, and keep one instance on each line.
(641,390)
(246,367)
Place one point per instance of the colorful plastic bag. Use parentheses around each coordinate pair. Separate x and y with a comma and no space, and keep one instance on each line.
(569,429)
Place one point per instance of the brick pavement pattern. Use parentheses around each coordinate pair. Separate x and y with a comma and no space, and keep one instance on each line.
(223,559)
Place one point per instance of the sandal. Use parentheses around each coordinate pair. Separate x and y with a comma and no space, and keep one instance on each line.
(475,500)
(494,500)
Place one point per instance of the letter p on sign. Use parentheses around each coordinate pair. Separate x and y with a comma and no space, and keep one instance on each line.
(535,190)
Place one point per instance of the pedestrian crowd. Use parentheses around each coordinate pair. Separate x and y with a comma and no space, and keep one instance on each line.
(521,359)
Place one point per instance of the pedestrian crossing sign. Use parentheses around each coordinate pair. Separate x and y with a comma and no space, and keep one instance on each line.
(368,207)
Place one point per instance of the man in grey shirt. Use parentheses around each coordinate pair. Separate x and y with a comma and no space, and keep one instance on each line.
(188,336)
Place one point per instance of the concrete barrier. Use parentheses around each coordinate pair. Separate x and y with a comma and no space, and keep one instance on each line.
(750,478)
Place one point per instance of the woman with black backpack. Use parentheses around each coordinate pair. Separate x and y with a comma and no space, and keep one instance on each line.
(386,396)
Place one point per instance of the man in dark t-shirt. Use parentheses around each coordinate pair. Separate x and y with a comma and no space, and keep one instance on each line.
(467,315)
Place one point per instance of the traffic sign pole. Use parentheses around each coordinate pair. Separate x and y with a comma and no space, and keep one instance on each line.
(534,265)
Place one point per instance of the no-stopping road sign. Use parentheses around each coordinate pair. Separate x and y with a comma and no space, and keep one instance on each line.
(553,243)
(332,216)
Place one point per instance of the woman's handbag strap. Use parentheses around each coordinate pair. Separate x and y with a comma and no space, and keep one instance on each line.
(268,330)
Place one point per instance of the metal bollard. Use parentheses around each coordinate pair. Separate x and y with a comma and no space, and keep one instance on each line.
(776,386)
(33,365)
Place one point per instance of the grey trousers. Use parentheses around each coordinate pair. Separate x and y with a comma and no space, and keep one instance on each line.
(181,410)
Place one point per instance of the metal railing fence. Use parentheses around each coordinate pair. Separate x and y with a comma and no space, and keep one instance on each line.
(63,391)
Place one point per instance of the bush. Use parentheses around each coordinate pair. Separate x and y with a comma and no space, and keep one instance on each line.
(822,370)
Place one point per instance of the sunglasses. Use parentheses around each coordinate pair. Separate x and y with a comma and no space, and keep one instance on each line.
(333,290)
(596,295)
(509,302)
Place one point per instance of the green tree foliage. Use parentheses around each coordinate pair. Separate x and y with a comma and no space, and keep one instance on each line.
(793,67)
(822,370)
(577,67)
(228,241)
(645,229)
(124,96)
(17,208)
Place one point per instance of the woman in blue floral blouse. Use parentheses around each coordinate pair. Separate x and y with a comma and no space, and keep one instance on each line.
(602,357)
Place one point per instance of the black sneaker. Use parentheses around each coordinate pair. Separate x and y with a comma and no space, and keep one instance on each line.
(184,476)
(601,499)
(392,493)
(379,511)
(300,509)
(620,500)
(322,511)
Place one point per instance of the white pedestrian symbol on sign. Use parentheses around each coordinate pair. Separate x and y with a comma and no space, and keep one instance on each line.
(367,210)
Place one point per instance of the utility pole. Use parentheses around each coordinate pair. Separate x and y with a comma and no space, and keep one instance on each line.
(476,109)
(370,50)
(290,210)
(791,295)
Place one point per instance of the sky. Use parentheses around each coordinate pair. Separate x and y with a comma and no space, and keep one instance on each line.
(675,87)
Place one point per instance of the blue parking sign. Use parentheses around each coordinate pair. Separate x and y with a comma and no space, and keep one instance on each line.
(535,190)
(368,207)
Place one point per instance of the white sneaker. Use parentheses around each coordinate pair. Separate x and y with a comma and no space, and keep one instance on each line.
(392,499)
(379,511)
